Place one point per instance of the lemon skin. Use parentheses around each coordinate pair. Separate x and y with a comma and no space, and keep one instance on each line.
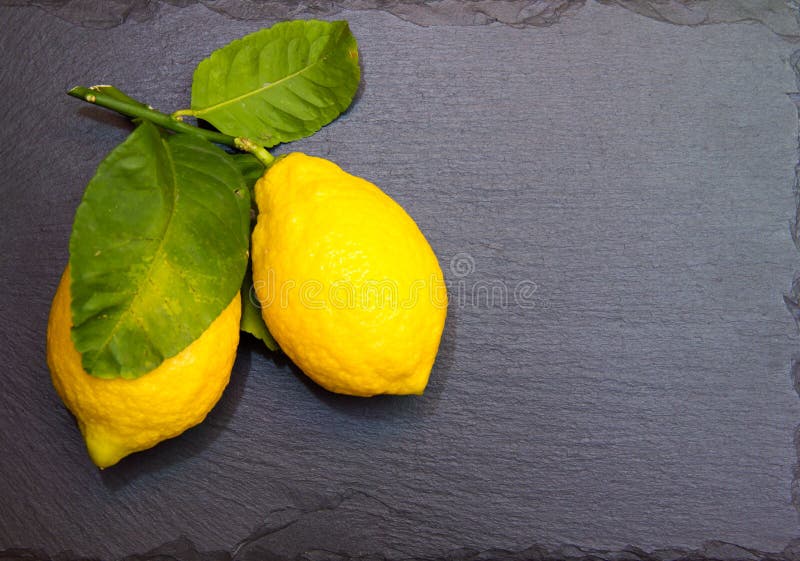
(118,417)
(349,286)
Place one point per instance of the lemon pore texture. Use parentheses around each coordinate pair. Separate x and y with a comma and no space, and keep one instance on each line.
(349,286)
(118,416)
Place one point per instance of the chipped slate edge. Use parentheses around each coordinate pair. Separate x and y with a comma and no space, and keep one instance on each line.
(183,549)
(792,299)
(780,16)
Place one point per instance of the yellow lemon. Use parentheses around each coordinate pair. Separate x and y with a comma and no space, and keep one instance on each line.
(349,286)
(118,417)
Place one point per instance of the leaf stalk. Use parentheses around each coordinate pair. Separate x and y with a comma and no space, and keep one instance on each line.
(129,107)
(137,111)
(247,145)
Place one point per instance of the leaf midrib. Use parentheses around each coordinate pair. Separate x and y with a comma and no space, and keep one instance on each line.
(210,108)
(158,252)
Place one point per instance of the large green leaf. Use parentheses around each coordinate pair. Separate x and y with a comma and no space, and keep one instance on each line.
(278,84)
(158,249)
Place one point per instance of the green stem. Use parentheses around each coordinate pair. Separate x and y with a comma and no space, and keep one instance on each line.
(121,103)
(181,113)
(247,145)
(99,97)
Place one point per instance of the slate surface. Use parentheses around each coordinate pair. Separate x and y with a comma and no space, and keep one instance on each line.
(610,197)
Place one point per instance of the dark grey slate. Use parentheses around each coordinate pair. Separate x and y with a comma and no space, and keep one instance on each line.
(609,187)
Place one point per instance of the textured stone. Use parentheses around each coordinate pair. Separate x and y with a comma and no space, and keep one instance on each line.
(610,197)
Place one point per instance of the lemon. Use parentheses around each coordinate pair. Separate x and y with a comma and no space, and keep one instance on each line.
(348,285)
(117,416)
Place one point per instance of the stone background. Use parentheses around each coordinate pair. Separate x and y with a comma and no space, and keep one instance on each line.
(610,192)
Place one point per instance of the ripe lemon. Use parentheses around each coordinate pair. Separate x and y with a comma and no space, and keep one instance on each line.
(349,287)
(117,416)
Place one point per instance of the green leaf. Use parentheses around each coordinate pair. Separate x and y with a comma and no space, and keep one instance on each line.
(158,249)
(278,84)
(252,322)
(251,169)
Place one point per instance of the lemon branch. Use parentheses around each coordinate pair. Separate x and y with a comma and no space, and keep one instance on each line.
(111,98)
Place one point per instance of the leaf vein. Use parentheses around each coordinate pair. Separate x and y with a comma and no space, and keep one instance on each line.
(154,263)
(266,87)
